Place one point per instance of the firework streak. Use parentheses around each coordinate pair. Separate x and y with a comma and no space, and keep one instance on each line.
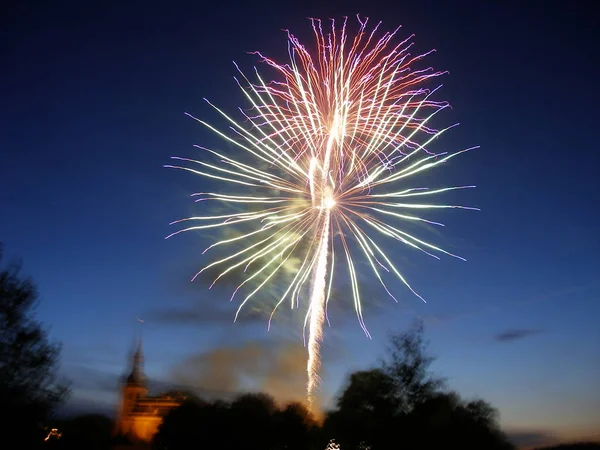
(323,162)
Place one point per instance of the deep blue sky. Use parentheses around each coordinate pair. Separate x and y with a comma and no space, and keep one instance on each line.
(93,102)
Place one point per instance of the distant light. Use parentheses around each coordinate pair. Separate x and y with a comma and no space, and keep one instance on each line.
(54,433)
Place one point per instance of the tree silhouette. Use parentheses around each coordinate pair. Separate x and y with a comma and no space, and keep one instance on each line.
(369,391)
(403,405)
(252,421)
(28,361)
(366,410)
(253,416)
(293,428)
(446,420)
(407,363)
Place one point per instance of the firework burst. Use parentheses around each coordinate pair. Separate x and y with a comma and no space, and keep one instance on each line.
(323,163)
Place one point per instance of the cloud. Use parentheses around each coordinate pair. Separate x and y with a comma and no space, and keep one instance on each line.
(205,314)
(214,310)
(515,334)
(85,377)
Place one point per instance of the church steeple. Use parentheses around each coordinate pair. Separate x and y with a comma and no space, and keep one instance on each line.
(134,389)
(137,370)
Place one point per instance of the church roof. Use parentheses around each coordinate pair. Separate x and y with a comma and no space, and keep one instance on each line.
(134,378)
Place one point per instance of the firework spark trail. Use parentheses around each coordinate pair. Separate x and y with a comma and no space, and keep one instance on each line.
(317,310)
(325,153)
(323,201)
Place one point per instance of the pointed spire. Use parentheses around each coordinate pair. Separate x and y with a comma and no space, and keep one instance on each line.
(138,356)
(137,370)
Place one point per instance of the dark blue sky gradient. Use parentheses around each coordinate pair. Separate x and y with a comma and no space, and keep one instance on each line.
(93,102)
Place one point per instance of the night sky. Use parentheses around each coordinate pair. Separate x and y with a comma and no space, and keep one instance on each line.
(93,103)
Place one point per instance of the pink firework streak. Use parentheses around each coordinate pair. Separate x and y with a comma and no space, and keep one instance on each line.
(324,160)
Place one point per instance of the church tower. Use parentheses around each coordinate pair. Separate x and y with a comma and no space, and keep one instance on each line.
(133,389)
